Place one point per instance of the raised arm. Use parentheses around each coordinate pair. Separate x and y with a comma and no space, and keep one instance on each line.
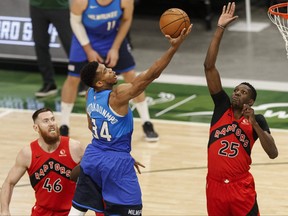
(125,92)
(23,160)
(211,72)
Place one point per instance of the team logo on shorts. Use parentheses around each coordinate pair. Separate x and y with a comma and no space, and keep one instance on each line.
(134,212)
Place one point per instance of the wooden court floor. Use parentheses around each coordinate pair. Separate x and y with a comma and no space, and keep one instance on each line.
(173,182)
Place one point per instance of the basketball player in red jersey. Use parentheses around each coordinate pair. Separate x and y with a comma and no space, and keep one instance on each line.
(230,188)
(49,161)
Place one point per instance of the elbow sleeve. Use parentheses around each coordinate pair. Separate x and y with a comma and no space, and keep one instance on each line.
(78,29)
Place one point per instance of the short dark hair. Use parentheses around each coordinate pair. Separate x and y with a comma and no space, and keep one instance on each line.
(253,90)
(37,112)
(88,73)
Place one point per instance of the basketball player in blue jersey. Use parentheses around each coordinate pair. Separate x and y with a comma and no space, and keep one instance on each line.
(100,34)
(106,170)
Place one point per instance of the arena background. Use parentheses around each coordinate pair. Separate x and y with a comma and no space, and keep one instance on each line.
(177,163)
(257,56)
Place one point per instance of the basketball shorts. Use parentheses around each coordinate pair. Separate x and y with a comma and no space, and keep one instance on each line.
(40,211)
(87,195)
(112,177)
(227,197)
(125,62)
(114,173)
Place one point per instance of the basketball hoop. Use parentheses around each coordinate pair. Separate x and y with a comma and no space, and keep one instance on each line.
(278,14)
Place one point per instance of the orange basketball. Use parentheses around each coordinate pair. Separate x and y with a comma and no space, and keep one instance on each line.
(172,21)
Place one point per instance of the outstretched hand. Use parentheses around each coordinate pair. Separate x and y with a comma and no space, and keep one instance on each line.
(177,41)
(227,15)
(137,165)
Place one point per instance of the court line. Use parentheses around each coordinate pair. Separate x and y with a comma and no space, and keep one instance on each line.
(226,82)
(181,169)
(5,113)
(9,111)
(175,105)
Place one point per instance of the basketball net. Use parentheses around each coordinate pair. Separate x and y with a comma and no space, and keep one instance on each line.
(278,14)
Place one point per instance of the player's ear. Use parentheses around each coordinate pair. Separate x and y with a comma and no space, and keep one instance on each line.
(35,127)
(99,84)
(251,102)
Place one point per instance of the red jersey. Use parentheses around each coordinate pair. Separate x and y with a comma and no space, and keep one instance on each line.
(231,140)
(50,176)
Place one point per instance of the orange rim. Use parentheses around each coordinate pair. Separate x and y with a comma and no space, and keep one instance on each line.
(281,5)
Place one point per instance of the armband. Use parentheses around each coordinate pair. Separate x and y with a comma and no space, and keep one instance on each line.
(78,29)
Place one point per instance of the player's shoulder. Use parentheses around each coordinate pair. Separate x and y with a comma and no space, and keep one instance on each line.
(24,155)
(75,145)
(26,150)
(81,4)
(126,3)
(76,150)
(73,142)
(260,118)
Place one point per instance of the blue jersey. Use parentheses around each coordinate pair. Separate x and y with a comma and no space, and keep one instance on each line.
(107,160)
(101,24)
(102,21)
(110,130)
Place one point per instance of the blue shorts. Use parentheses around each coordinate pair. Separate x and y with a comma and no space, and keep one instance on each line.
(85,190)
(108,176)
(125,62)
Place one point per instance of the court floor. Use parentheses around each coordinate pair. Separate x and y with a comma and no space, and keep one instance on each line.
(173,182)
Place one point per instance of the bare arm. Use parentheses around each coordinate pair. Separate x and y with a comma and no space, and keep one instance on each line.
(23,160)
(211,72)
(121,95)
(77,8)
(267,142)
(88,117)
(76,150)
(266,139)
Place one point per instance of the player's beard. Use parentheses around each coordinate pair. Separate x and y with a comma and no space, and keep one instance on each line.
(49,138)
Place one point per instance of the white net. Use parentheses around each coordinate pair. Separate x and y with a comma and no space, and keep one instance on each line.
(279,16)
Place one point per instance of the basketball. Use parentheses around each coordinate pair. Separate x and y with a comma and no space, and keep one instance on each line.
(172,21)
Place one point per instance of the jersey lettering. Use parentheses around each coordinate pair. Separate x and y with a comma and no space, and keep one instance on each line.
(50,165)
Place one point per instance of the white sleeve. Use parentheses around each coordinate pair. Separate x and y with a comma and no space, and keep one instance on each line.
(78,29)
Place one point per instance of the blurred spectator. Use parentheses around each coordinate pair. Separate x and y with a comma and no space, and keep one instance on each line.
(43,13)
(100,34)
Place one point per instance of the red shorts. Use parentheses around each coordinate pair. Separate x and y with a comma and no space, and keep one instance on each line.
(39,211)
(235,196)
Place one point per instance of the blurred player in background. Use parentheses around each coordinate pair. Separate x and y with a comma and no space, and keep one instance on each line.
(230,188)
(43,13)
(100,34)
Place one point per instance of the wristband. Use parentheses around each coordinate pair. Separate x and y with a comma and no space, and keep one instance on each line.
(220,26)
